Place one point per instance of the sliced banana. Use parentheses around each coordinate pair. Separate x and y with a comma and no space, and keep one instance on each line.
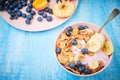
(63,9)
(93,64)
(108,48)
(101,36)
(96,42)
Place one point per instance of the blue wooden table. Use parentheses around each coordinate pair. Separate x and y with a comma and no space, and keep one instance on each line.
(30,56)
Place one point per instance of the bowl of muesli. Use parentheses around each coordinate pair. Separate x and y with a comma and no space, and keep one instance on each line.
(82,50)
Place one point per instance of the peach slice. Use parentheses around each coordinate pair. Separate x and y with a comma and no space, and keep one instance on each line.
(40,4)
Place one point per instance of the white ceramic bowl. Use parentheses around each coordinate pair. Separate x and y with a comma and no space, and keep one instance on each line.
(95,28)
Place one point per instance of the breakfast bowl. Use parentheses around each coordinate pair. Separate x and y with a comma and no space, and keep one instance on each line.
(83,51)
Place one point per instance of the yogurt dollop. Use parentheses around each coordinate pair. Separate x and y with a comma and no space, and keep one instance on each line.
(98,56)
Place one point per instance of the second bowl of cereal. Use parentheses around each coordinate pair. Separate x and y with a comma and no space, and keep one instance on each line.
(82,51)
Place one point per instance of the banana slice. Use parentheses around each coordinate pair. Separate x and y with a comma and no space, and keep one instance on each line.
(93,65)
(63,9)
(108,48)
(102,39)
(96,42)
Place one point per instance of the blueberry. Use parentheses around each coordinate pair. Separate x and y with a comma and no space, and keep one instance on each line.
(84,50)
(58,50)
(11,7)
(15,17)
(5,7)
(10,1)
(40,12)
(30,5)
(16,9)
(2,1)
(46,9)
(74,42)
(68,33)
(39,19)
(80,27)
(81,69)
(9,11)
(1,7)
(11,17)
(19,13)
(12,14)
(24,15)
(27,21)
(31,1)
(24,3)
(19,6)
(29,16)
(44,15)
(49,18)
(71,65)
(87,71)
(32,12)
(69,28)
(15,3)
(50,11)
(79,63)
(28,9)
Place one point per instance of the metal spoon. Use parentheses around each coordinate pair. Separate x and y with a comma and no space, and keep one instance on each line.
(114,13)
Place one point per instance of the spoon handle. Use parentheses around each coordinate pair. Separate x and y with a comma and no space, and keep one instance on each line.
(114,13)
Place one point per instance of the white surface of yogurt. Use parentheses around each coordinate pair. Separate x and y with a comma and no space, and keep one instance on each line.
(98,56)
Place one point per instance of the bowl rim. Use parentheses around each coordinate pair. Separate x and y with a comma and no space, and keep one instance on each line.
(103,31)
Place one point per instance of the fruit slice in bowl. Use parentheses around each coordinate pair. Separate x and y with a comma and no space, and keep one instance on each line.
(82,51)
(108,48)
(96,42)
